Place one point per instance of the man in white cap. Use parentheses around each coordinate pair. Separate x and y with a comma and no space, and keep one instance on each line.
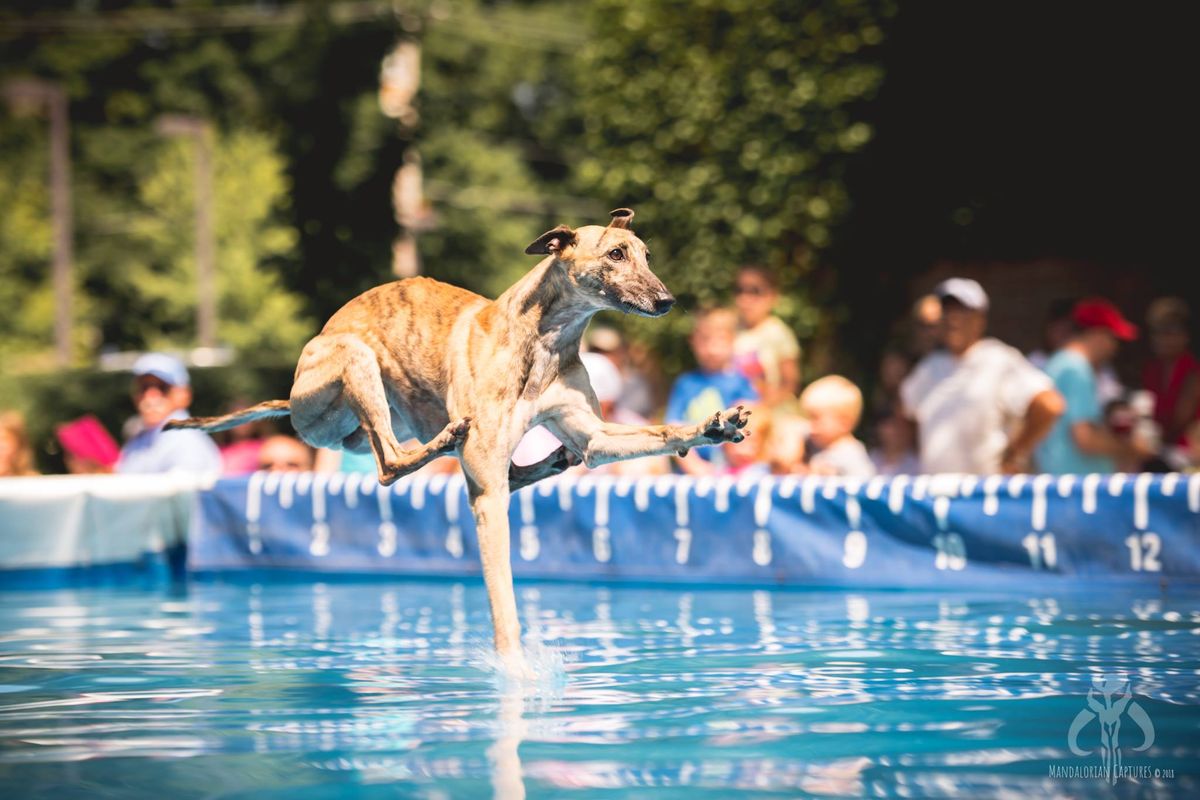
(979,405)
(162,391)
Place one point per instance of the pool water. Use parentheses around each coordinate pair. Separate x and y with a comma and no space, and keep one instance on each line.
(387,689)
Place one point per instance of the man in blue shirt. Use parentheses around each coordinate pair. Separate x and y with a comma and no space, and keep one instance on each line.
(1079,443)
(715,386)
(162,391)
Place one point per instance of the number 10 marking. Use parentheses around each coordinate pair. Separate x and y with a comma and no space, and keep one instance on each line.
(951,551)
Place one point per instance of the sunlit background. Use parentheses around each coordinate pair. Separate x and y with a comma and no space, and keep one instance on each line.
(224,175)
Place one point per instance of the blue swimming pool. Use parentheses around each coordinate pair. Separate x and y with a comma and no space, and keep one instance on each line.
(384,689)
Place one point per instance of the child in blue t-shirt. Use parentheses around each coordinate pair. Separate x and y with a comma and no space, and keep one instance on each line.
(714,387)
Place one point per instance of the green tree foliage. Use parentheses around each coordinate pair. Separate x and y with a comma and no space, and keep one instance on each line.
(25,243)
(256,313)
(727,125)
(294,241)
(494,171)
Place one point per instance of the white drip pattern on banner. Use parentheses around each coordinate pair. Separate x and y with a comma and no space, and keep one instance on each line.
(991,491)
(601,538)
(1037,509)
(683,533)
(1145,546)
(319,532)
(761,549)
(854,546)
(386,546)
(453,499)
(1141,501)
(1091,486)
(254,512)
(529,545)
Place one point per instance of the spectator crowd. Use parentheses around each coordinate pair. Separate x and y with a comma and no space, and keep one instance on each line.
(947,398)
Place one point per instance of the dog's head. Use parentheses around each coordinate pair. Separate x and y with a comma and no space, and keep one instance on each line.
(608,267)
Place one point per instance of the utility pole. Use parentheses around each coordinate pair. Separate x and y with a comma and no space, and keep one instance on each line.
(35,94)
(399,82)
(199,131)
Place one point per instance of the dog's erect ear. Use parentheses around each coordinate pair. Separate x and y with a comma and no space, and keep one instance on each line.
(551,242)
(621,217)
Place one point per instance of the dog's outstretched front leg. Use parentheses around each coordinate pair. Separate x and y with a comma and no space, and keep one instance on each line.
(557,462)
(604,442)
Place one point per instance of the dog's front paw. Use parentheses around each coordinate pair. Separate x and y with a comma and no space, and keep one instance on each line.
(727,426)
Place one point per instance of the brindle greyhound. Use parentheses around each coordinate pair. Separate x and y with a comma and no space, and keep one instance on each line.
(419,358)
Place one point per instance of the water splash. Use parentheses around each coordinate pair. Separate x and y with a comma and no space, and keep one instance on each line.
(546,669)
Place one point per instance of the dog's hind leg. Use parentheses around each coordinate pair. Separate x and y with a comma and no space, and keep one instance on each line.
(364,393)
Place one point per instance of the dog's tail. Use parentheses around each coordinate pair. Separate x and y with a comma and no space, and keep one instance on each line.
(271,408)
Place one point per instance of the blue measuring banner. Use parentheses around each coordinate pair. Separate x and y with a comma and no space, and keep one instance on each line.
(926,531)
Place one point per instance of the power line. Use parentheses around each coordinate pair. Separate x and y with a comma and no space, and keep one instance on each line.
(497,26)
(188,20)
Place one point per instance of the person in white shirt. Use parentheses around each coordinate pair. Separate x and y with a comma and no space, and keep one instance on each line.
(979,405)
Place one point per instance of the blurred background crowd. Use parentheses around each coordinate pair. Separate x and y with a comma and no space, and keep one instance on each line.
(948,399)
(933,237)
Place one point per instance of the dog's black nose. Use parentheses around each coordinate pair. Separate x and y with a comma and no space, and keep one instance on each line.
(663,303)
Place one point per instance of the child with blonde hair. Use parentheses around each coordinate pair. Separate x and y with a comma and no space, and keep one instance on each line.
(833,406)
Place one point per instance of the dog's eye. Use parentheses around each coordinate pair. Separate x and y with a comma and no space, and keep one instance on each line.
(616,254)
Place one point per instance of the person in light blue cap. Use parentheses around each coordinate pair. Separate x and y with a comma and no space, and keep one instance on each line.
(162,391)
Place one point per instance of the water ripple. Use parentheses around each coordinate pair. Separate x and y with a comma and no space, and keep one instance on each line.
(229,690)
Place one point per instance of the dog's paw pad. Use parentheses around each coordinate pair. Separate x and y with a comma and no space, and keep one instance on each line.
(727,426)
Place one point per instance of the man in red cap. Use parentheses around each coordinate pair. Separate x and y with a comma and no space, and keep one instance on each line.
(1079,443)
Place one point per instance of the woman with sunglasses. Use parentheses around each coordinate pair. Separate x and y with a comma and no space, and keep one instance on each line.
(767,351)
